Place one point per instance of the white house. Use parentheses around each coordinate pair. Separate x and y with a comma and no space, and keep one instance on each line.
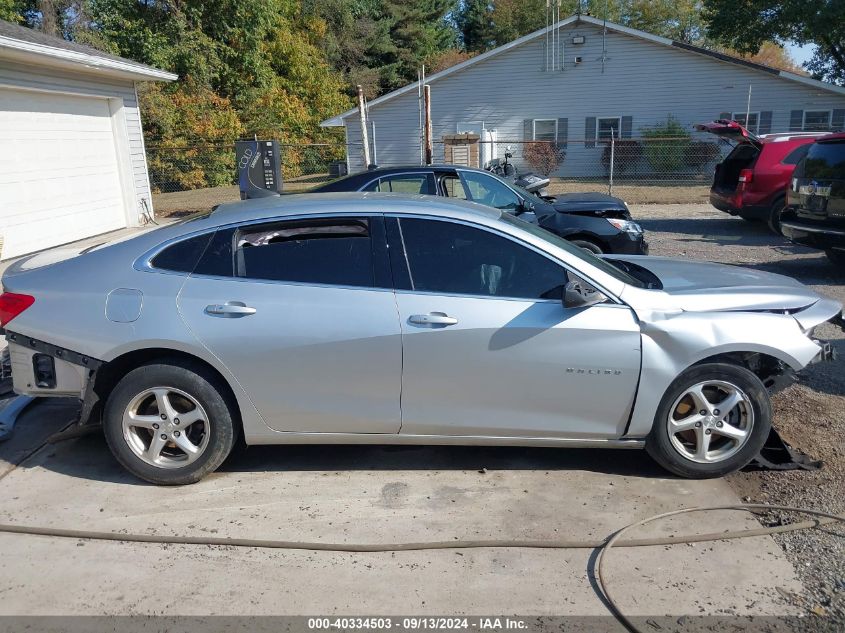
(72,160)
(580,78)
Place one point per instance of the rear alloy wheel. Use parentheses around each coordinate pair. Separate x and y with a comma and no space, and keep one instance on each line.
(590,247)
(712,421)
(168,423)
(775,213)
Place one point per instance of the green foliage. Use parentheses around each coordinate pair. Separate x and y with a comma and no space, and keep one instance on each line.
(190,130)
(474,23)
(11,10)
(665,145)
(745,26)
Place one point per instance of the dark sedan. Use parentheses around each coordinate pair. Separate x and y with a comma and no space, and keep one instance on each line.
(593,221)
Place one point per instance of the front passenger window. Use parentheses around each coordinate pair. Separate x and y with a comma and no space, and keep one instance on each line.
(453,258)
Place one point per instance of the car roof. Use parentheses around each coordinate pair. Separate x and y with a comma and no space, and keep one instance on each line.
(396,168)
(785,137)
(836,136)
(349,202)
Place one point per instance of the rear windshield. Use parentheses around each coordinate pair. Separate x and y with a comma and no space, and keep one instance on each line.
(825,161)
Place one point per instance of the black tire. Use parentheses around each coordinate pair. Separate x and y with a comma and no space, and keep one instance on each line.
(588,246)
(200,384)
(835,257)
(659,444)
(775,212)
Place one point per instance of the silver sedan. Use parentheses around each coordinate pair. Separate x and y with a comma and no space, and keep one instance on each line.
(381,319)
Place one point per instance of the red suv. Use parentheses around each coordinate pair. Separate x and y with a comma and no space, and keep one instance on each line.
(751,181)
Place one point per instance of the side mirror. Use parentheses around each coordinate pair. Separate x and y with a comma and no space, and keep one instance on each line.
(577,294)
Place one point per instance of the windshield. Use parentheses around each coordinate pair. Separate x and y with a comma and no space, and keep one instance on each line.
(580,253)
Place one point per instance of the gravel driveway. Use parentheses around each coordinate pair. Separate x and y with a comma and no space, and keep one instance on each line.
(808,415)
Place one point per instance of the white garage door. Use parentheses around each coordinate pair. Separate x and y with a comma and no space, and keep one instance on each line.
(59,179)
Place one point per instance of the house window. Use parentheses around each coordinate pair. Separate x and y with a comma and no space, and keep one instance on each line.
(753,124)
(545,130)
(607,127)
(816,120)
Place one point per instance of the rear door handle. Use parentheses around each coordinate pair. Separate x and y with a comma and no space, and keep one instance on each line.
(432,318)
(230,309)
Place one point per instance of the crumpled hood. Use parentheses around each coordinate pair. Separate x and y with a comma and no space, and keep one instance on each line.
(704,286)
(587,202)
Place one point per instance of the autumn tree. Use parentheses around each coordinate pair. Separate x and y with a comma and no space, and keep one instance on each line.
(745,26)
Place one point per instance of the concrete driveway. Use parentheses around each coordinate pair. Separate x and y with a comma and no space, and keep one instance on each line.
(369,495)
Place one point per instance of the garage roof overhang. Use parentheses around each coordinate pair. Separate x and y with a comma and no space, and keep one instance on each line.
(78,60)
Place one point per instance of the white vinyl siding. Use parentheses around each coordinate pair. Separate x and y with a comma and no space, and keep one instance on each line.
(690,86)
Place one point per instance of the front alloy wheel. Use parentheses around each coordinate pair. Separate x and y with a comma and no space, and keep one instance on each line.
(713,419)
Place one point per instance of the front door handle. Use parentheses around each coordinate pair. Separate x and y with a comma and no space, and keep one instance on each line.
(432,318)
(230,309)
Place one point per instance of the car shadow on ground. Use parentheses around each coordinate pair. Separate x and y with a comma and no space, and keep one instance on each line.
(89,458)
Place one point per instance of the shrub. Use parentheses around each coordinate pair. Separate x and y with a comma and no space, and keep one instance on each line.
(626,155)
(543,156)
(665,145)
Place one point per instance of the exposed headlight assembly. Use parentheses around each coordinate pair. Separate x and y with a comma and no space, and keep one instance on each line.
(625,225)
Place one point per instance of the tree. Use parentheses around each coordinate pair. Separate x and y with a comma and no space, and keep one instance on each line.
(745,26)
(474,22)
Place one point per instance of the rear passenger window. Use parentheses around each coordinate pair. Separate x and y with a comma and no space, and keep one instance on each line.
(796,155)
(182,256)
(320,251)
(403,183)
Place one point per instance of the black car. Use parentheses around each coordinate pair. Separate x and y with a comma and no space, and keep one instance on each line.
(815,213)
(593,221)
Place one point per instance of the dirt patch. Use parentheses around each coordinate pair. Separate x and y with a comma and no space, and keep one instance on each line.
(638,193)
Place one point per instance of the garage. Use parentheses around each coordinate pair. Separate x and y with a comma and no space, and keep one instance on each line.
(72,162)
(81,194)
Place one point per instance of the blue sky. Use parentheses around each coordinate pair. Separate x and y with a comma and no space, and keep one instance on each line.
(800,53)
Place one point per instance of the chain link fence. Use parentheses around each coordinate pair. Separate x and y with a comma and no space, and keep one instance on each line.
(606,165)
(212,165)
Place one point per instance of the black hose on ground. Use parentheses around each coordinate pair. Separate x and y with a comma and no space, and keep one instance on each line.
(615,541)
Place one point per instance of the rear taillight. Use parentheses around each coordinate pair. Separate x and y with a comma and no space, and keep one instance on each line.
(746,176)
(12,304)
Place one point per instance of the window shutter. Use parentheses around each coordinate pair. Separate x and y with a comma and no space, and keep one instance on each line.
(590,132)
(725,115)
(562,131)
(765,123)
(796,120)
(528,130)
(838,121)
(627,122)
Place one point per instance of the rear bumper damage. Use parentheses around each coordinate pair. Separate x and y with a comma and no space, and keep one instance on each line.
(43,369)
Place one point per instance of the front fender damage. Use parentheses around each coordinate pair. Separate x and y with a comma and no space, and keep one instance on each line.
(775,346)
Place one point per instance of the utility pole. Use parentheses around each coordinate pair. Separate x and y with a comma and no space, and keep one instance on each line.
(428,144)
(362,113)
